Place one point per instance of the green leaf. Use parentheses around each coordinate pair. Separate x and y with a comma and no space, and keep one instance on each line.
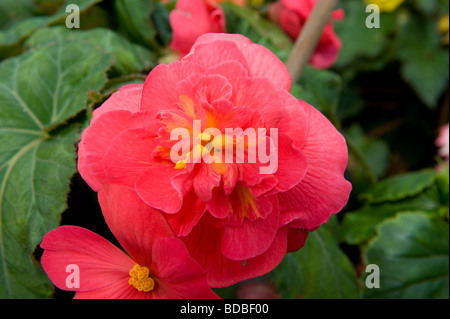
(371,161)
(412,252)
(323,89)
(359,226)
(13,10)
(400,186)
(129,57)
(320,270)
(358,41)
(39,92)
(249,22)
(424,62)
(135,21)
(12,38)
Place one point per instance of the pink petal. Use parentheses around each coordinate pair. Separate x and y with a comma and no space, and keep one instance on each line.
(234,72)
(210,54)
(296,239)
(327,50)
(292,164)
(294,123)
(258,60)
(135,224)
(97,138)
(252,237)
(189,20)
(117,290)
(261,95)
(324,190)
(100,263)
(154,187)
(128,157)
(160,88)
(205,181)
(188,216)
(128,98)
(204,243)
(178,271)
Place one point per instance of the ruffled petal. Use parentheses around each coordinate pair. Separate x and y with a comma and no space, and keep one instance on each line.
(204,243)
(97,139)
(324,190)
(128,157)
(252,237)
(128,98)
(258,60)
(154,187)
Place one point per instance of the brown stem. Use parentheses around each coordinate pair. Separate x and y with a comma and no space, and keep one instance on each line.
(309,37)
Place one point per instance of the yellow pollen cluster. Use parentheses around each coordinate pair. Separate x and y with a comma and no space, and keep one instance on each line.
(140,279)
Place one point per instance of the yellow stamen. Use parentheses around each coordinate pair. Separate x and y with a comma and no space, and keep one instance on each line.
(247,201)
(180,165)
(140,278)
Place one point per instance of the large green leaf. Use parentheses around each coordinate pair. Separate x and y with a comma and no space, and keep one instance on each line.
(134,18)
(12,37)
(40,92)
(359,226)
(412,253)
(129,57)
(424,66)
(13,10)
(400,186)
(317,271)
(358,41)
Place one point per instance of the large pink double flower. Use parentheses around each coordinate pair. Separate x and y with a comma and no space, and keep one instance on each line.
(235,222)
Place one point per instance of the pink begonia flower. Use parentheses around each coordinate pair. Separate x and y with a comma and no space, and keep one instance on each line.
(193,18)
(158,265)
(443,142)
(291,15)
(235,222)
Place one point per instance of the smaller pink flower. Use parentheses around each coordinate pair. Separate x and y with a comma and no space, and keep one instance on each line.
(291,15)
(443,142)
(157,265)
(192,18)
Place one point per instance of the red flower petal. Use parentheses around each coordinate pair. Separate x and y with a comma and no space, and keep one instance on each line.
(203,242)
(135,224)
(154,187)
(160,88)
(258,60)
(128,157)
(173,266)
(100,263)
(127,98)
(252,237)
(324,190)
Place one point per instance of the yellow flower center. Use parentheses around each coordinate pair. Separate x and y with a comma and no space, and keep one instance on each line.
(140,278)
